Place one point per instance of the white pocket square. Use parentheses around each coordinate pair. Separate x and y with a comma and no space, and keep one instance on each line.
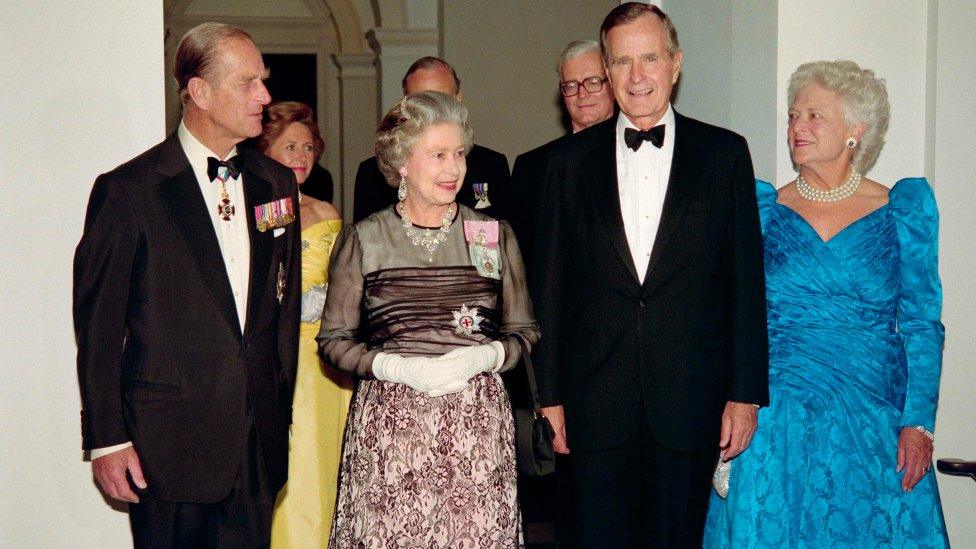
(279,232)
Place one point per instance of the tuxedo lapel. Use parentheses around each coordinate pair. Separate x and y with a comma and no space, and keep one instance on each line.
(686,166)
(600,180)
(189,213)
(257,191)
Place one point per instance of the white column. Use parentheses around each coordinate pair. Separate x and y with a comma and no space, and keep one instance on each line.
(358,117)
(396,50)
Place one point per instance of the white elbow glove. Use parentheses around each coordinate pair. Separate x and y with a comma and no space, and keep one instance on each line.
(464,363)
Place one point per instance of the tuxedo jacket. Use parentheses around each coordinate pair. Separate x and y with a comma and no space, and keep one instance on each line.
(162,359)
(373,193)
(688,339)
(528,173)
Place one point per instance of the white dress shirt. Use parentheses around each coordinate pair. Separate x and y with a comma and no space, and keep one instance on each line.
(642,182)
(232,236)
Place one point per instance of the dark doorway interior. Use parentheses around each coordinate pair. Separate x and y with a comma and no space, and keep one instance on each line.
(292,78)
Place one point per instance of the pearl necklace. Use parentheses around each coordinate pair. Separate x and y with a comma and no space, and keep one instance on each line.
(426,238)
(840,193)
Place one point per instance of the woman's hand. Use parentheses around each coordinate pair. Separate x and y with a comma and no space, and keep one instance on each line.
(914,456)
(464,363)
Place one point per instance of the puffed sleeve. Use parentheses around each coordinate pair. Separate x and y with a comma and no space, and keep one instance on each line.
(337,339)
(518,322)
(920,297)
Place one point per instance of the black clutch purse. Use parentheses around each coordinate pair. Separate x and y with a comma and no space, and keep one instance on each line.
(533,433)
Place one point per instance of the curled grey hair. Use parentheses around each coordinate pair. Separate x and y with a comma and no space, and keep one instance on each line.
(865,101)
(408,120)
(575,49)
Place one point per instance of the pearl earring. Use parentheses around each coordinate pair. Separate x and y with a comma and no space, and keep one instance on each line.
(851,142)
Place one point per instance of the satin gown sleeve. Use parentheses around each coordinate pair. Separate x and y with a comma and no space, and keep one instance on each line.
(920,297)
(518,320)
(338,341)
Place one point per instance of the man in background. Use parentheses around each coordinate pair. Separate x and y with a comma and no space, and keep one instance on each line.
(486,184)
(186,310)
(588,100)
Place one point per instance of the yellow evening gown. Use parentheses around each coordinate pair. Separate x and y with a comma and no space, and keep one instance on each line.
(303,514)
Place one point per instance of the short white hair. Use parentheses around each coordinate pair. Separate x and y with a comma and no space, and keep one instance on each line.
(575,49)
(865,101)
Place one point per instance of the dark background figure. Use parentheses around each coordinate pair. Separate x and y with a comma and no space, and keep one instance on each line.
(486,186)
(651,298)
(319,184)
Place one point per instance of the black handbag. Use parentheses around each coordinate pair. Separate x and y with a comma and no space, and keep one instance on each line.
(533,432)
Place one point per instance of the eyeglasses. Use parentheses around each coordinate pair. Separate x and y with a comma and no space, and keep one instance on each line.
(592,84)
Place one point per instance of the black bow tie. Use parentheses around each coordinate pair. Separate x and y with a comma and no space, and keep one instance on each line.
(232,165)
(635,138)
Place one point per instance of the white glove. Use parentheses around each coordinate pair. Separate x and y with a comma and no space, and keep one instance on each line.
(417,372)
(464,363)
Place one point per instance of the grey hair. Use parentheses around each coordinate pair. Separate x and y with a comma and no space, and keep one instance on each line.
(408,120)
(198,55)
(575,49)
(865,101)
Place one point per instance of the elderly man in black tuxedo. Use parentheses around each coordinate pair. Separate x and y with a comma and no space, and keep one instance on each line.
(648,284)
(486,185)
(186,309)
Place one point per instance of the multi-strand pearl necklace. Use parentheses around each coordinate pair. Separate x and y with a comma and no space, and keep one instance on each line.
(840,193)
(426,238)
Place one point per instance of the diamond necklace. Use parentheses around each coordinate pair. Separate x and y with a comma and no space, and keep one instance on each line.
(426,238)
(847,189)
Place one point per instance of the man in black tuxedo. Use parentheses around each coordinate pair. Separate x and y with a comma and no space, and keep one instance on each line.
(648,285)
(186,309)
(486,184)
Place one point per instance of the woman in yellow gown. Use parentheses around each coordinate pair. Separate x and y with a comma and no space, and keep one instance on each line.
(303,513)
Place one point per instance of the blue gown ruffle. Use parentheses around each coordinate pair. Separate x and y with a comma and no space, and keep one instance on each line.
(855,343)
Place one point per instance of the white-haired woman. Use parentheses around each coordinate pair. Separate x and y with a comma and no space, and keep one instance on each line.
(843,452)
(429,455)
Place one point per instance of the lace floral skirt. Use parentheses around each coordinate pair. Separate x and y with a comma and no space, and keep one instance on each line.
(428,472)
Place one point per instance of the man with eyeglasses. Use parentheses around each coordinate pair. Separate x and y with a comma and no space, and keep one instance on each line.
(587,95)
(583,84)
(588,98)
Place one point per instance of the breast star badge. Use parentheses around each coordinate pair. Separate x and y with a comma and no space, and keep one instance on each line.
(467,321)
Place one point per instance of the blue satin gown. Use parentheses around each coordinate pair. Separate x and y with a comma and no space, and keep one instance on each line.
(855,345)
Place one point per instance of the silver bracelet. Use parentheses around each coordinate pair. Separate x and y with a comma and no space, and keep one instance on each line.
(928,434)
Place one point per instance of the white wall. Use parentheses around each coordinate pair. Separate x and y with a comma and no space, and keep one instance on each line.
(886,36)
(728,75)
(951,167)
(80,94)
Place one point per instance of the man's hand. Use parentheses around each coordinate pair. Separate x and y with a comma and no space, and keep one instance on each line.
(739,421)
(109,471)
(557,418)
(914,456)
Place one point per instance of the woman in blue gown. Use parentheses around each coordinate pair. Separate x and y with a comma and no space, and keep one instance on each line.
(842,454)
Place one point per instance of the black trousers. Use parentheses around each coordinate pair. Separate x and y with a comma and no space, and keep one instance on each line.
(642,494)
(242,519)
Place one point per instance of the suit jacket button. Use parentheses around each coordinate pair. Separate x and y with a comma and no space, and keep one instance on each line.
(643,304)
